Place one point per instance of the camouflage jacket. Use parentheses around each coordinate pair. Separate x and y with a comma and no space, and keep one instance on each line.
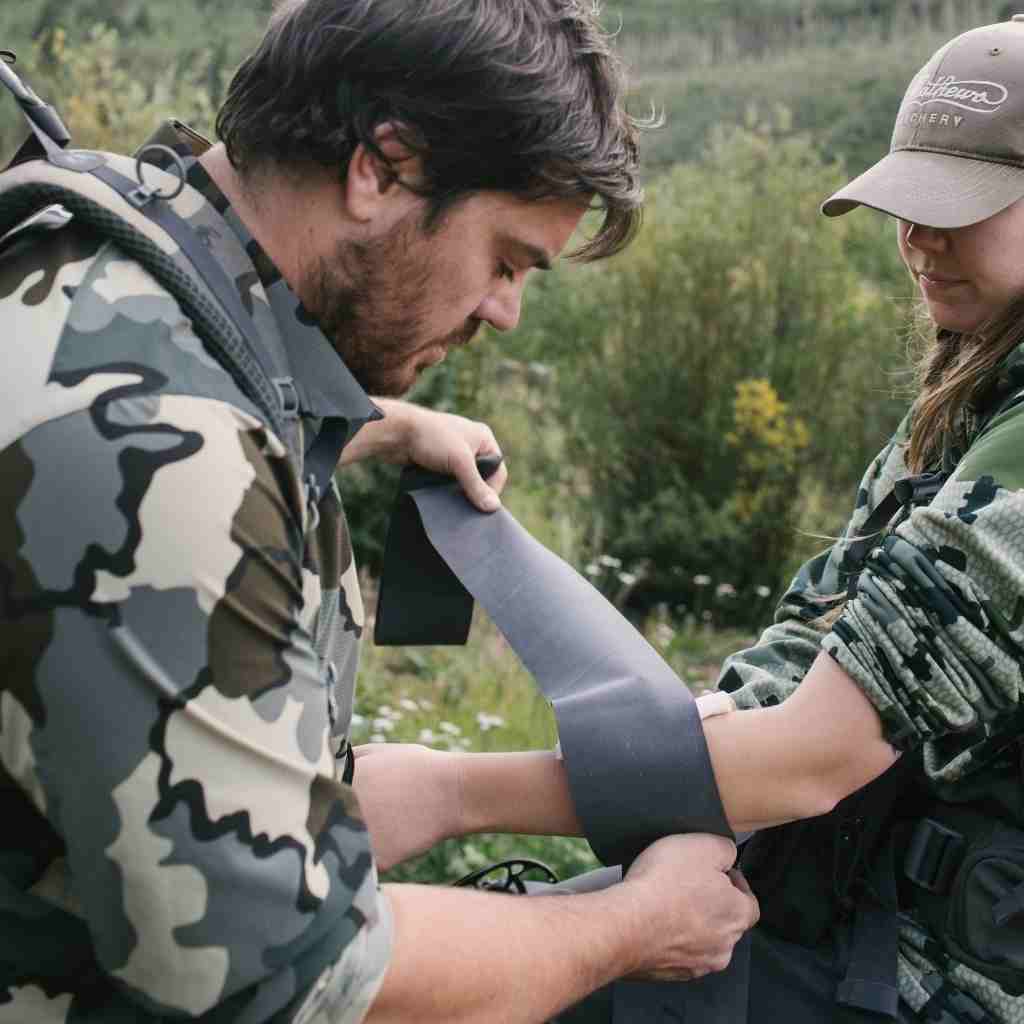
(935,633)
(180,623)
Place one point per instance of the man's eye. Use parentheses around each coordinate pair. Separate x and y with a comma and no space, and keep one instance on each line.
(506,271)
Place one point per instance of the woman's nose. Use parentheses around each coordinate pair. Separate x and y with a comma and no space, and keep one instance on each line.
(919,236)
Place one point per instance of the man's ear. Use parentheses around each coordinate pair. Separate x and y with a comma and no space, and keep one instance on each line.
(375,186)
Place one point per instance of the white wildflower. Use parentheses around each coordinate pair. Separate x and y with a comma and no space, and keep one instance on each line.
(384,725)
(627,579)
(725,590)
(486,722)
(593,569)
(378,737)
(763,591)
(609,562)
(701,580)
(409,705)
(357,721)
(427,736)
(450,728)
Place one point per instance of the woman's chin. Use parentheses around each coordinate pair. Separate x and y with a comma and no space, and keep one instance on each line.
(959,321)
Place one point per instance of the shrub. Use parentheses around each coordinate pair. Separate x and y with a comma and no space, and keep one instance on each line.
(735,352)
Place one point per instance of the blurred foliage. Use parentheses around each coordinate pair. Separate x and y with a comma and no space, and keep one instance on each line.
(735,351)
(103,103)
(620,409)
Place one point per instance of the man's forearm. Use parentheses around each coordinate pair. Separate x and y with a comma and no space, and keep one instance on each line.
(462,957)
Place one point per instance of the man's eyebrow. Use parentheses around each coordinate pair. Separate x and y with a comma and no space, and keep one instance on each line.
(537,257)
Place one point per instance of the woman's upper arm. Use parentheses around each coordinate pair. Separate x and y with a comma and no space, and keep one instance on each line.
(934,635)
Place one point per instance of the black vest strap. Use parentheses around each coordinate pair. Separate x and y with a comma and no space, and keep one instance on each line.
(870,982)
(906,493)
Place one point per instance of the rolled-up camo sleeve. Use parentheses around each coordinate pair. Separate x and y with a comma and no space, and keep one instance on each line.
(934,635)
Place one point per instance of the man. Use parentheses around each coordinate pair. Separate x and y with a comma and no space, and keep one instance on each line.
(180,610)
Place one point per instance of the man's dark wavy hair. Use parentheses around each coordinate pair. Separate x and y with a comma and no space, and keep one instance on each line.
(519,96)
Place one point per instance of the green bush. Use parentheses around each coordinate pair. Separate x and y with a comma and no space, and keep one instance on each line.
(734,354)
(103,103)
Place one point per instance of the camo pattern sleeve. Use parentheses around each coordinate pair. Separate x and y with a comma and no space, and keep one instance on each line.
(164,716)
(768,672)
(935,634)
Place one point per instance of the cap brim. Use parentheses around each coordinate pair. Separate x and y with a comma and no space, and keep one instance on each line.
(936,190)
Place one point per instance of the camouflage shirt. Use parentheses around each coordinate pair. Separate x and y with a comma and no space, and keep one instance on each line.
(180,625)
(934,635)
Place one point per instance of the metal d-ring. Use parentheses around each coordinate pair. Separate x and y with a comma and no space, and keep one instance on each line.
(147,191)
(9,57)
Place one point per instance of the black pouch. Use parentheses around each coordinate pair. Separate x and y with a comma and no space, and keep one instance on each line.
(977,916)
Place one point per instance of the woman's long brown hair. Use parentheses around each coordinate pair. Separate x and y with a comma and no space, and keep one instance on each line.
(954,372)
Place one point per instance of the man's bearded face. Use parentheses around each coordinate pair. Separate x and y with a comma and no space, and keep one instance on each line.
(375,302)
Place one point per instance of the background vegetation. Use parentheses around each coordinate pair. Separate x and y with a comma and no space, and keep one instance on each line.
(680,420)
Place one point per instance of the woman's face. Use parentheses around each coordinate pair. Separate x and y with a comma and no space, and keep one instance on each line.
(967,274)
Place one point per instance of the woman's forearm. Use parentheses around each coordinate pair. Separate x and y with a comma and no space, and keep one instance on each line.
(795,760)
(800,758)
(522,792)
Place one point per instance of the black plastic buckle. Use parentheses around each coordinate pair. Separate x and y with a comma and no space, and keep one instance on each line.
(919,490)
(934,855)
(289,397)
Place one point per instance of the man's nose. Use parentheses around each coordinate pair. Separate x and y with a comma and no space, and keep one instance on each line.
(502,308)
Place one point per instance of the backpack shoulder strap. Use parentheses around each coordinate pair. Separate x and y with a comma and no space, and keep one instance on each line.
(126,201)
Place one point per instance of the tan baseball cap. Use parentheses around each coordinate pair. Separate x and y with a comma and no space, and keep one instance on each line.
(957,153)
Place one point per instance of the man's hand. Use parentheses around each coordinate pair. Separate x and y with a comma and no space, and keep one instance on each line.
(459,955)
(438,441)
(410,798)
(691,909)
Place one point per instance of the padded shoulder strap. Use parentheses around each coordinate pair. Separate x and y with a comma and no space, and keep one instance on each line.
(97,190)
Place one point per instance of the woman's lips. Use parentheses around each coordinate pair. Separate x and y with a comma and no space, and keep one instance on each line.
(939,284)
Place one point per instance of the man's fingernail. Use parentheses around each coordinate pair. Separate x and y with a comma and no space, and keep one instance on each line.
(490,502)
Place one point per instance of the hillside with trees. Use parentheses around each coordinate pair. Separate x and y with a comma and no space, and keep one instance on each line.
(713,393)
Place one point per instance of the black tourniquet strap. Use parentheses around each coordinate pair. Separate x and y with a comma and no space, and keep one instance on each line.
(629,728)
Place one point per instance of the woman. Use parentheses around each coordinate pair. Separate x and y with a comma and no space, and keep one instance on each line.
(906,638)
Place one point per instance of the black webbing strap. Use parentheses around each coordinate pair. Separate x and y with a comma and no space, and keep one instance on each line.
(907,493)
(871,979)
(948,1005)
(629,728)
(870,982)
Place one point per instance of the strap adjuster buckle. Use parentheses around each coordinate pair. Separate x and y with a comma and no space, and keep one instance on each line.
(288,395)
(934,855)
